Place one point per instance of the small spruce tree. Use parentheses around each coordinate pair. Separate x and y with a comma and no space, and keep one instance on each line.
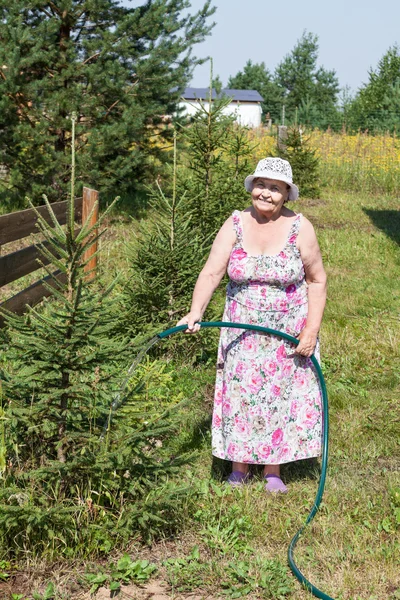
(58,353)
(165,259)
(304,162)
(70,485)
(217,155)
(172,243)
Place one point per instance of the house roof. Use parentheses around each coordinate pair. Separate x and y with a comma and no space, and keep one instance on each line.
(236,95)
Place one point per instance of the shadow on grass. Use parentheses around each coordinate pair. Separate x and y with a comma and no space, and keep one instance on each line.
(387,221)
(309,468)
(295,471)
(200,435)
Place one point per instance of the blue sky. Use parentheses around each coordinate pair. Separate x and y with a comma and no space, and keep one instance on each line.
(353,34)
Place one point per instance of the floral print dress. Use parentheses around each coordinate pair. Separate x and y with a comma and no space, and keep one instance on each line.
(267,405)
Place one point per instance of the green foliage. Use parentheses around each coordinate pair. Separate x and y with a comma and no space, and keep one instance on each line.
(268,578)
(301,81)
(376,106)
(55,386)
(4,567)
(121,69)
(67,488)
(48,594)
(185,574)
(171,245)
(165,259)
(306,90)
(256,76)
(238,578)
(217,161)
(124,571)
(217,84)
(3,447)
(304,162)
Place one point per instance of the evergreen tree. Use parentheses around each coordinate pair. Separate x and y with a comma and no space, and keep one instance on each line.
(257,77)
(301,80)
(307,113)
(390,119)
(376,106)
(165,259)
(172,243)
(217,84)
(217,156)
(58,353)
(304,162)
(121,69)
(70,486)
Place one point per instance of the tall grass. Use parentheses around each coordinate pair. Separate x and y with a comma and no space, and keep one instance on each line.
(348,162)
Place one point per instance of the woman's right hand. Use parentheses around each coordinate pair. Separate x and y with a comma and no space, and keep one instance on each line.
(191,320)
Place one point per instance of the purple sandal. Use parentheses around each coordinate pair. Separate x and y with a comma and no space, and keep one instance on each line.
(237,478)
(275,484)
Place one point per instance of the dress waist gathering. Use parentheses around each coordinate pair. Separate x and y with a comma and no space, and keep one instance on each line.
(257,295)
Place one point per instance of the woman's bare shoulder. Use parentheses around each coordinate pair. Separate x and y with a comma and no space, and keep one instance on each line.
(307,237)
(227,232)
(245,213)
(306,227)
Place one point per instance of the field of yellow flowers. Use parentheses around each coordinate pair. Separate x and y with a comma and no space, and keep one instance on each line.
(358,162)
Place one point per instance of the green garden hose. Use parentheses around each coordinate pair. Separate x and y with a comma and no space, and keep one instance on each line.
(324,464)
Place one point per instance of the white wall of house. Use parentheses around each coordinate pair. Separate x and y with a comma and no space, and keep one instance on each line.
(247,113)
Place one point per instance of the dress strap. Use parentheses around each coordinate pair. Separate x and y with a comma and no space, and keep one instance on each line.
(237,225)
(294,230)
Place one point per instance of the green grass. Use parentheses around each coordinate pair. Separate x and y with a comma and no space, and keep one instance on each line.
(352,550)
(233,543)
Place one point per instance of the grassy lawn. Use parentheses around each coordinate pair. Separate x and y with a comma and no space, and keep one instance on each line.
(234,542)
(352,550)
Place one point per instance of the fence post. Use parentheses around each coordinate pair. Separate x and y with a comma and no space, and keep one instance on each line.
(282,137)
(90,199)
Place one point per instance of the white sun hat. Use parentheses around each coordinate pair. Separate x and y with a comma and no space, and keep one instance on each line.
(274,168)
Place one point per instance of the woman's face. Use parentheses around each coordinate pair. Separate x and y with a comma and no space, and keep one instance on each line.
(268,196)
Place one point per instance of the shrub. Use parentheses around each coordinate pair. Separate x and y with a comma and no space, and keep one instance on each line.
(70,487)
(304,162)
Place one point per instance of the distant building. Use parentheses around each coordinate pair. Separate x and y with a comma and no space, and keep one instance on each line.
(245,104)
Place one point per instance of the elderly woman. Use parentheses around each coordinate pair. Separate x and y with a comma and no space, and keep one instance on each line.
(267,406)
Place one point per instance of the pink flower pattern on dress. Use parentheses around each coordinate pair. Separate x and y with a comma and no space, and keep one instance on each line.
(267,407)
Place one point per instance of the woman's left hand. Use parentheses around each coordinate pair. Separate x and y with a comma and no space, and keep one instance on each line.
(307,342)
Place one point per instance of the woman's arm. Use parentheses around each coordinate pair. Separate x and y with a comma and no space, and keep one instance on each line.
(211,275)
(316,279)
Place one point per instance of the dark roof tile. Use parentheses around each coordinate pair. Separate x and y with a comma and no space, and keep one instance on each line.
(236,95)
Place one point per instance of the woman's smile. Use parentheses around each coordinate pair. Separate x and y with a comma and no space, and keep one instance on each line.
(268,195)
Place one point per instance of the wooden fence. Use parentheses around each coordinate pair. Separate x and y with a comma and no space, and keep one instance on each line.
(18,225)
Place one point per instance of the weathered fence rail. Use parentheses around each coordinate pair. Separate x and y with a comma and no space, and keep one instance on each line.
(14,265)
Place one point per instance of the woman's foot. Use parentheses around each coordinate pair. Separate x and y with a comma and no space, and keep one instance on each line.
(238,478)
(274,484)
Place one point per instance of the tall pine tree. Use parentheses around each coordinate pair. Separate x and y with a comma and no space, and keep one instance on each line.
(121,69)
(376,105)
(302,81)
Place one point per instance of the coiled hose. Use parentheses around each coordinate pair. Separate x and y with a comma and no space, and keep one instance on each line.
(324,463)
